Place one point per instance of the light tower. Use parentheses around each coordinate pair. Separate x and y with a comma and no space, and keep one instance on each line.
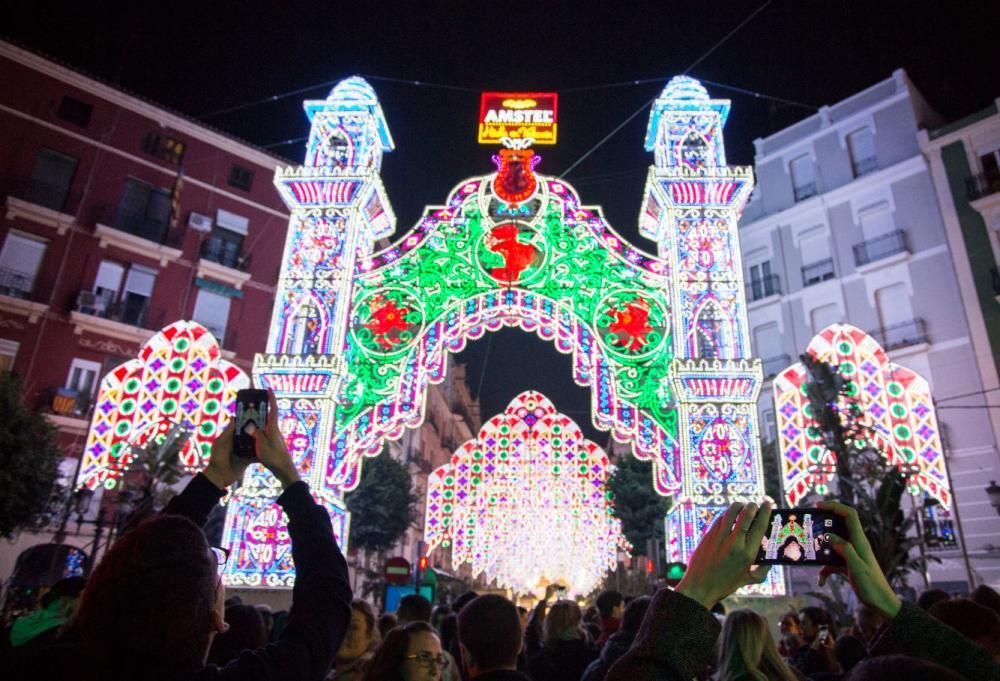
(690,209)
(338,211)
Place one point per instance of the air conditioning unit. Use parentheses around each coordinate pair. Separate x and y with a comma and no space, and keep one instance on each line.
(199,222)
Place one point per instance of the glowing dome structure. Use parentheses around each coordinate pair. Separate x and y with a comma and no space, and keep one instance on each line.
(525,503)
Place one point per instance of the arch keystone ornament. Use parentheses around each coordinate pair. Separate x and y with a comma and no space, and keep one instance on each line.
(358,335)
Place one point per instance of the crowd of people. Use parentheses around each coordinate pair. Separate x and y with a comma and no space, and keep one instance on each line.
(155,608)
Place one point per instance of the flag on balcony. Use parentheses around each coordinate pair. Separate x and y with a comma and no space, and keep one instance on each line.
(175,196)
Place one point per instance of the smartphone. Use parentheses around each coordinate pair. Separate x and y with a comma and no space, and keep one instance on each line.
(560,593)
(251,415)
(798,536)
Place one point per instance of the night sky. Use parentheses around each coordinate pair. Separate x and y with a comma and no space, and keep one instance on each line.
(200,58)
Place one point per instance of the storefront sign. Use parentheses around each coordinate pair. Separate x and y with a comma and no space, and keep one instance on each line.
(518,116)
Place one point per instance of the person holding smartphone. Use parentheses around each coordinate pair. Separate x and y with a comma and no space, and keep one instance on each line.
(156,600)
(677,638)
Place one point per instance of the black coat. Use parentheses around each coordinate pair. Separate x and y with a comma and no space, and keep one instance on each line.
(564,661)
(617,645)
(317,623)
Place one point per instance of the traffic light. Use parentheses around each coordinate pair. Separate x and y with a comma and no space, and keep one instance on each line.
(422,564)
(675,572)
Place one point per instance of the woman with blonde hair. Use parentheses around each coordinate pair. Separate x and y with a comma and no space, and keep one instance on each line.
(747,651)
(566,652)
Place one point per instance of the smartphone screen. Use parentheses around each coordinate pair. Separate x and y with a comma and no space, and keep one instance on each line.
(797,536)
(251,415)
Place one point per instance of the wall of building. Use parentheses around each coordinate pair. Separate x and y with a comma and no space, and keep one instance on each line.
(925,327)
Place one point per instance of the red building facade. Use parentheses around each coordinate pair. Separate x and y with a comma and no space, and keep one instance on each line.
(120,217)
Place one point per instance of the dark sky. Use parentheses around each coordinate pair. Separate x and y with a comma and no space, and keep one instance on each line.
(202,57)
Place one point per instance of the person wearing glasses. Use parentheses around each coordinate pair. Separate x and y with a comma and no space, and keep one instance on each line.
(156,600)
(410,652)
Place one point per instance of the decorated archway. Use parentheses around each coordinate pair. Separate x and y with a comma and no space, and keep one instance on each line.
(178,387)
(525,503)
(660,339)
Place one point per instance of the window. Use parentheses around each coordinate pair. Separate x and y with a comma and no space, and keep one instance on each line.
(8,353)
(51,179)
(768,428)
(74,111)
(893,304)
(144,210)
(109,280)
(817,265)
(991,164)
(211,310)
(762,282)
(84,376)
(824,316)
(861,146)
(240,177)
(135,296)
(877,221)
(163,147)
(803,173)
(767,340)
(225,246)
(20,260)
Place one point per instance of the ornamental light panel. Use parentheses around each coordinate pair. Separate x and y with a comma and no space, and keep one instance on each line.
(179,385)
(357,335)
(896,404)
(525,503)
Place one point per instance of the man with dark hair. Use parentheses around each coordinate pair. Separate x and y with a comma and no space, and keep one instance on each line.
(413,608)
(621,641)
(928,598)
(611,607)
(32,632)
(489,633)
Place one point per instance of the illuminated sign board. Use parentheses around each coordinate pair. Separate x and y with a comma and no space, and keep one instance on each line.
(518,116)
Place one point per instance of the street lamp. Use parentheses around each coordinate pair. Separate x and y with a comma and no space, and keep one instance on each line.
(993,492)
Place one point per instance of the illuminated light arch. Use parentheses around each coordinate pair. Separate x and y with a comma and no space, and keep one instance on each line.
(512,248)
(178,381)
(525,503)
(896,403)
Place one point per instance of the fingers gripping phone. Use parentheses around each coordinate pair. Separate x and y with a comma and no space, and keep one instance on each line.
(798,536)
(251,416)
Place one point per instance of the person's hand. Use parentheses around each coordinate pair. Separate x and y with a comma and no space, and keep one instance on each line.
(271,449)
(863,571)
(223,467)
(723,561)
(550,591)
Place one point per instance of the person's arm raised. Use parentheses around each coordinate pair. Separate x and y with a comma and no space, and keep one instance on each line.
(205,489)
(910,630)
(678,633)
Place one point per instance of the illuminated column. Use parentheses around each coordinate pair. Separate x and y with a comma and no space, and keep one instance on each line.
(691,206)
(338,211)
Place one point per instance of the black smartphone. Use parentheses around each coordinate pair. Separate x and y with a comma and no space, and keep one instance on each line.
(797,536)
(251,415)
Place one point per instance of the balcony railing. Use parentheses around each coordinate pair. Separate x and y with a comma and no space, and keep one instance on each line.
(44,194)
(775,365)
(816,272)
(900,335)
(880,247)
(68,402)
(16,284)
(984,184)
(131,311)
(764,287)
(226,253)
(804,191)
(864,166)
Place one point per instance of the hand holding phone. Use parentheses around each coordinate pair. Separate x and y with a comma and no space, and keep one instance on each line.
(252,410)
(799,536)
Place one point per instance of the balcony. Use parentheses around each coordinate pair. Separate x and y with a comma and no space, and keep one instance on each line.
(880,247)
(816,272)
(804,191)
(40,202)
(223,260)
(913,332)
(17,294)
(765,287)
(984,184)
(775,365)
(865,166)
(138,233)
(129,318)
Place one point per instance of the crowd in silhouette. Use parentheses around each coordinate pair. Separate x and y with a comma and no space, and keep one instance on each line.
(155,608)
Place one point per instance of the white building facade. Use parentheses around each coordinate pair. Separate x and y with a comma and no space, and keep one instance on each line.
(845,226)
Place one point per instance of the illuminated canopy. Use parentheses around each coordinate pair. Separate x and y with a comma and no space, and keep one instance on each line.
(525,503)
(896,403)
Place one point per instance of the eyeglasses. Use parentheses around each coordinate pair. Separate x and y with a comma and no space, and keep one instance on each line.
(221,558)
(426,660)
